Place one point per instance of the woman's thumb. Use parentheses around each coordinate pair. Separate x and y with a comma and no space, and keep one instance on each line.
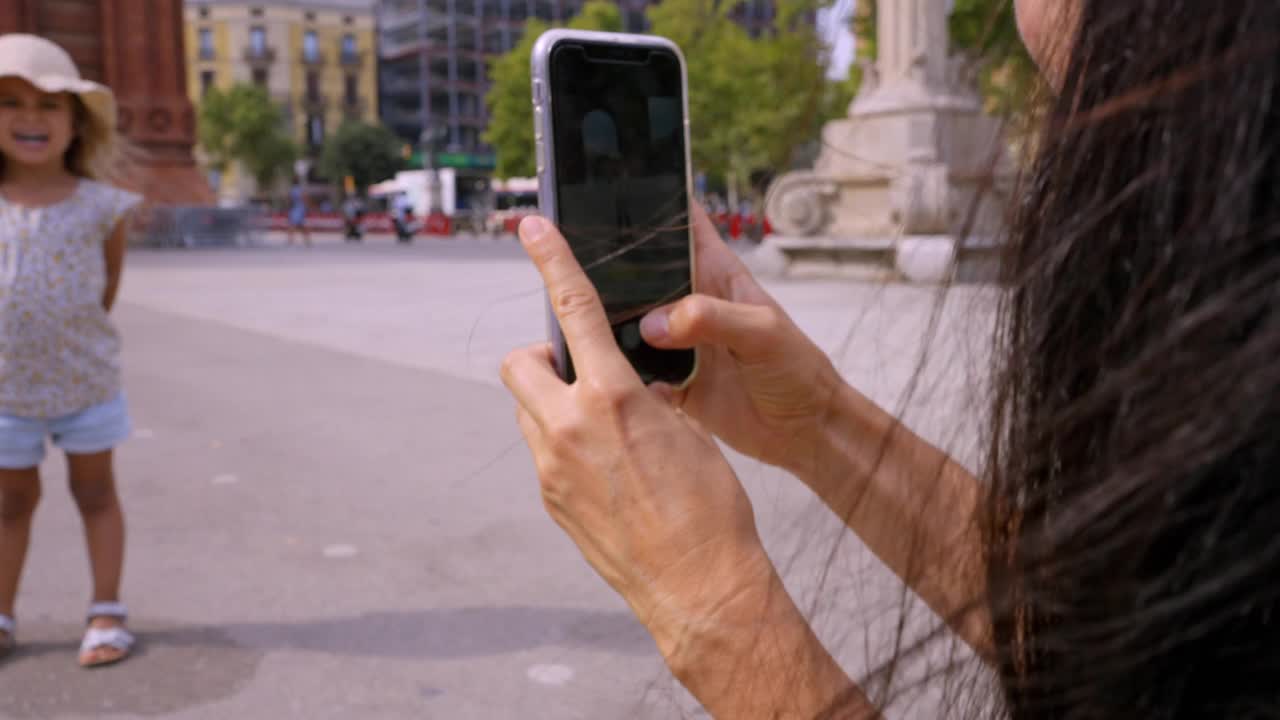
(705,320)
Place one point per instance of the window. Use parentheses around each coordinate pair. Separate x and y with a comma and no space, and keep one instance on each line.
(348,20)
(313,86)
(206,44)
(315,130)
(348,47)
(256,12)
(204,13)
(260,77)
(310,46)
(258,41)
(207,79)
(311,17)
(352,89)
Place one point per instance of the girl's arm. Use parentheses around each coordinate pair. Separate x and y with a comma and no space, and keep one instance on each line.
(113,249)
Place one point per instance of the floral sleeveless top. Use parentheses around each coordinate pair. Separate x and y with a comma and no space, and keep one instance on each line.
(59,352)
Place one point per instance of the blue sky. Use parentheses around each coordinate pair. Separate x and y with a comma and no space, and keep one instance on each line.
(833,24)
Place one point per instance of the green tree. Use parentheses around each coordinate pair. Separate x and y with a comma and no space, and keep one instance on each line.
(510,130)
(242,124)
(864,30)
(272,160)
(800,97)
(367,153)
(708,37)
(752,101)
(988,30)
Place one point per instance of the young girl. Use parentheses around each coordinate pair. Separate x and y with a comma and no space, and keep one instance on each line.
(62,241)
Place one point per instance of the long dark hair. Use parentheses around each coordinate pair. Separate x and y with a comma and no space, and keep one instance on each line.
(1133,520)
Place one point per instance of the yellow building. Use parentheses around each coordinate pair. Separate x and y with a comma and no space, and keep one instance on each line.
(316,58)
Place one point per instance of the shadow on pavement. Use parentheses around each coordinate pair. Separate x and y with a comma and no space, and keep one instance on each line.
(181,666)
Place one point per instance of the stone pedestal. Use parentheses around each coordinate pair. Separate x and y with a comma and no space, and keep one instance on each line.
(908,161)
(135,47)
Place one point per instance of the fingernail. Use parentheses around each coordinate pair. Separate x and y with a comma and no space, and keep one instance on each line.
(664,391)
(533,227)
(655,326)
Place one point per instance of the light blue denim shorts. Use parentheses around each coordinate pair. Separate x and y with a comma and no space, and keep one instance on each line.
(94,430)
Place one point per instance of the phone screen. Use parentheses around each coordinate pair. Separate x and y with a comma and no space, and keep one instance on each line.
(621,186)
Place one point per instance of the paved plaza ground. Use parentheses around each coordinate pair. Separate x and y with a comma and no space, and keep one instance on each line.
(331,513)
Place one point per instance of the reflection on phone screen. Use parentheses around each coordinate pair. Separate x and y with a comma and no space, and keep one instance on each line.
(621,189)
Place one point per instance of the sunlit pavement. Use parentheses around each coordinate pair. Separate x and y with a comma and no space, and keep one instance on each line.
(331,514)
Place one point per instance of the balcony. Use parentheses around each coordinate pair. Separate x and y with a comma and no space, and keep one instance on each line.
(392,17)
(354,108)
(314,103)
(401,85)
(474,87)
(402,117)
(351,59)
(260,55)
(312,59)
(286,110)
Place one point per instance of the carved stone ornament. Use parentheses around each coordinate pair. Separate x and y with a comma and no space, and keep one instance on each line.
(798,204)
(920,199)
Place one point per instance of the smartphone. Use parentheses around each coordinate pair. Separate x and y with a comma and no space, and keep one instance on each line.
(612,133)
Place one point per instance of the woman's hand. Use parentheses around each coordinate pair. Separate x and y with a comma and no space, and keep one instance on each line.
(650,501)
(655,508)
(762,385)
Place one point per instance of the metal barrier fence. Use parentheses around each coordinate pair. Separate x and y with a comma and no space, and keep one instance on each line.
(195,226)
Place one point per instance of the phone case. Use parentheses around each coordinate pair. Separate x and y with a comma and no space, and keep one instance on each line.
(540,61)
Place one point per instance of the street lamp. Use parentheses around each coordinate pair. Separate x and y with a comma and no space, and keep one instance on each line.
(430,139)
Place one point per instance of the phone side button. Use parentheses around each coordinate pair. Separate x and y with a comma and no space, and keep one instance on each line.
(540,155)
(537,124)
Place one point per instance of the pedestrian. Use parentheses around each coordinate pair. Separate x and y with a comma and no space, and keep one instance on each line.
(1116,553)
(62,244)
(298,213)
(352,212)
(402,217)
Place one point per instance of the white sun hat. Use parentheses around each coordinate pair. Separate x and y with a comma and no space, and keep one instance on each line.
(49,67)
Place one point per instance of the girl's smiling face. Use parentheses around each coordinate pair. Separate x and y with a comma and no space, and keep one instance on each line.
(36,127)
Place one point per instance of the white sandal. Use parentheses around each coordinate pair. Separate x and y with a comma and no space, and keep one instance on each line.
(8,627)
(116,638)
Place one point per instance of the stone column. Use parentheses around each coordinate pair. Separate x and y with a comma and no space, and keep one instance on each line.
(17,15)
(914,68)
(143,63)
(909,164)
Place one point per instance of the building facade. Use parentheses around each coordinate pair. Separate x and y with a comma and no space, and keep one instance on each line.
(316,58)
(435,61)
